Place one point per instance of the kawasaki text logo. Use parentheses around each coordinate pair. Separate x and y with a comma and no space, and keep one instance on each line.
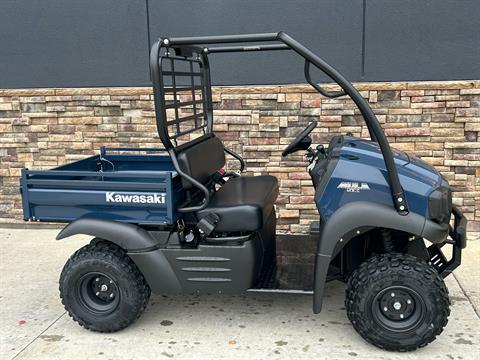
(134,198)
(353,186)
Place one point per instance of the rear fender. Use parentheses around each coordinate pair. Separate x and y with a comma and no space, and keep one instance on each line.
(139,245)
(128,236)
(354,219)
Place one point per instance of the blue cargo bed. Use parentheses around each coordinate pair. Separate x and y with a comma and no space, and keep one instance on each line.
(116,185)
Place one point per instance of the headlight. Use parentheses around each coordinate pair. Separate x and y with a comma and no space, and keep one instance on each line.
(440,203)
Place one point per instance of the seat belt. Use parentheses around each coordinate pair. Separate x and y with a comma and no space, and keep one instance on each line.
(218,175)
(207,224)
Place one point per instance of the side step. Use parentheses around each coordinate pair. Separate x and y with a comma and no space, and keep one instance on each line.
(282,291)
(286,279)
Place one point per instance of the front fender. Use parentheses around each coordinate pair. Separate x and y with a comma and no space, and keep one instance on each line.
(361,216)
(358,217)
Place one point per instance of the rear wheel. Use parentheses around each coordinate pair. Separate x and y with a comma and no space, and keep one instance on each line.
(102,289)
(397,302)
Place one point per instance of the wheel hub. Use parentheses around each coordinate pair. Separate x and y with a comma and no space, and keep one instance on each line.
(98,292)
(397,305)
(398,308)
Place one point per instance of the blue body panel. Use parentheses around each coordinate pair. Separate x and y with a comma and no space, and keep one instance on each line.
(360,161)
(140,189)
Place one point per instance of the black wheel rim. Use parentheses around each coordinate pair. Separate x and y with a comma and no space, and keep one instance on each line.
(398,308)
(98,293)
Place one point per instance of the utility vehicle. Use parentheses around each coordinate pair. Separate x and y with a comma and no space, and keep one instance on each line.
(172,221)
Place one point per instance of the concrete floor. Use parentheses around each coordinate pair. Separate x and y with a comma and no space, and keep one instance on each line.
(34,325)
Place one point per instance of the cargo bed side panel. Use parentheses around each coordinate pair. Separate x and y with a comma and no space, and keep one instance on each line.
(144,192)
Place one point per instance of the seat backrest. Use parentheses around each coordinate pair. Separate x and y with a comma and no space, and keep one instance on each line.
(201,160)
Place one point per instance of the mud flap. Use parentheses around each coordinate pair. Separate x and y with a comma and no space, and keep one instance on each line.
(322,262)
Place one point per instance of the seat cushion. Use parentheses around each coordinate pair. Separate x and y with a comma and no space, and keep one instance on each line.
(243,203)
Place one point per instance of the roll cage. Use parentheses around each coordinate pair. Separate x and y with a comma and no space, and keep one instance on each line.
(191,53)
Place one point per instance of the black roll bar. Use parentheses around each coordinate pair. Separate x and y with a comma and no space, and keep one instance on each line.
(329,94)
(287,42)
(221,39)
(225,49)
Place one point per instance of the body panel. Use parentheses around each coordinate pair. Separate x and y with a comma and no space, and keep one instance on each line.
(360,162)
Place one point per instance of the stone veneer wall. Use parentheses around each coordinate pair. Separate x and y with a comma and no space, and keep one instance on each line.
(437,121)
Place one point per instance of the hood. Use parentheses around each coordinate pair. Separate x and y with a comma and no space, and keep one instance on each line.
(369,152)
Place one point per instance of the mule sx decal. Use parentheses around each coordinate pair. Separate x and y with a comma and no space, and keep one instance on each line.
(353,186)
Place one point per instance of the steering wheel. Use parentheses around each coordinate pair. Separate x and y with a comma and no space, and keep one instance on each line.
(302,141)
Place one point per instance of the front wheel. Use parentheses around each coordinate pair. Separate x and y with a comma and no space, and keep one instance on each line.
(102,289)
(397,302)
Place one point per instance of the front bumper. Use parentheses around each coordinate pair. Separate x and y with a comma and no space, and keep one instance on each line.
(457,239)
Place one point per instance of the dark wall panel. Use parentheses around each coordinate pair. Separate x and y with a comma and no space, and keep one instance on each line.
(422,40)
(331,28)
(48,43)
(55,43)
